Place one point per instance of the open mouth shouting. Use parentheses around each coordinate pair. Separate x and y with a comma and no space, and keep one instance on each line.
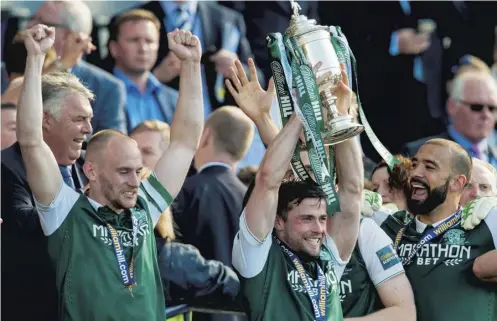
(419,190)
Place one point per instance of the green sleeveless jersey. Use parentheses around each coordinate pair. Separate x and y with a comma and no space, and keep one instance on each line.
(89,281)
(441,274)
(271,286)
(373,262)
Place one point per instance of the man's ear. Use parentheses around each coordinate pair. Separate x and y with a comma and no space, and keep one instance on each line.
(458,183)
(47,121)
(113,50)
(90,171)
(278,223)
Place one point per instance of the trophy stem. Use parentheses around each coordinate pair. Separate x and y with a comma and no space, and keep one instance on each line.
(338,128)
(329,102)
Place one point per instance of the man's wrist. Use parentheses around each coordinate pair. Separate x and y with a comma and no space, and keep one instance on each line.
(264,119)
(35,60)
(190,62)
(35,57)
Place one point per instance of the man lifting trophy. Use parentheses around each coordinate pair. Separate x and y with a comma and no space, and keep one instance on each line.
(307,66)
(306,59)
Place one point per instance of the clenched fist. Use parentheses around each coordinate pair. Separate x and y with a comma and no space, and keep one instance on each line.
(39,39)
(184,45)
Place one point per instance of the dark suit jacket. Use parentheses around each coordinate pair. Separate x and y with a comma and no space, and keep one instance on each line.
(411,148)
(461,26)
(187,275)
(110,97)
(207,211)
(28,280)
(4,80)
(264,17)
(393,100)
(213,17)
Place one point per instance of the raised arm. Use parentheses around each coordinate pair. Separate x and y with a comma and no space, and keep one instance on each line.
(188,121)
(41,167)
(253,100)
(343,227)
(260,211)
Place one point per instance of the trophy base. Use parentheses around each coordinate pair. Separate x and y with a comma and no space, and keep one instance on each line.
(340,129)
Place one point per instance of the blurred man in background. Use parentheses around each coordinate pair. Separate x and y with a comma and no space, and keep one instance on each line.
(134,43)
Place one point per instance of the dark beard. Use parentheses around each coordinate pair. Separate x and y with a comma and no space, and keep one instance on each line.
(435,197)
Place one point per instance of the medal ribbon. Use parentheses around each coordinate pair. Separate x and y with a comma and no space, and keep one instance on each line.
(126,271)
(432,234)
(318,299)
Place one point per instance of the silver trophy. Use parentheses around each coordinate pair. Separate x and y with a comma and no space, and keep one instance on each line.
(315,43)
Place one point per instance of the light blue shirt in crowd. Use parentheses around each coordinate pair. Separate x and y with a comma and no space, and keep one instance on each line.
(394,46)
(466,144)
(141,106)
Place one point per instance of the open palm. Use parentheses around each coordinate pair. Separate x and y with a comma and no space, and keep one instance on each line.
(248,94)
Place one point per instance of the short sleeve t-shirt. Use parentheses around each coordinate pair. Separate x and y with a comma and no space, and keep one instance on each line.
(271,285)
(89,282)
(373,262)
(442,270)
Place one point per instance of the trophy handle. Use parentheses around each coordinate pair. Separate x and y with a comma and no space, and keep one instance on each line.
(295,8)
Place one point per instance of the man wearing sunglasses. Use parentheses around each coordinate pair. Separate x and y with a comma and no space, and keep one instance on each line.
(472,110)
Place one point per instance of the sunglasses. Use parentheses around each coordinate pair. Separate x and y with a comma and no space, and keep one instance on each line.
(478,107)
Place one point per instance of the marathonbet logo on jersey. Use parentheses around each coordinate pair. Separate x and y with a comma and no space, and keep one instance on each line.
(451,251)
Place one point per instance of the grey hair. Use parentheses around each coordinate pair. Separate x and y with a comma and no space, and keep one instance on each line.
(76,15)
(486,165)
(459,82)
(56,87)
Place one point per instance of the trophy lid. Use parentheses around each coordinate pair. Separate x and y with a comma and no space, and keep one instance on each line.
(300,24)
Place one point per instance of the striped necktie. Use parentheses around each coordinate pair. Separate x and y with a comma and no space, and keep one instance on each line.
(67,176)
(183,21)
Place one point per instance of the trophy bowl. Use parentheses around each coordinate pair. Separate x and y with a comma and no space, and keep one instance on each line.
(314,42)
